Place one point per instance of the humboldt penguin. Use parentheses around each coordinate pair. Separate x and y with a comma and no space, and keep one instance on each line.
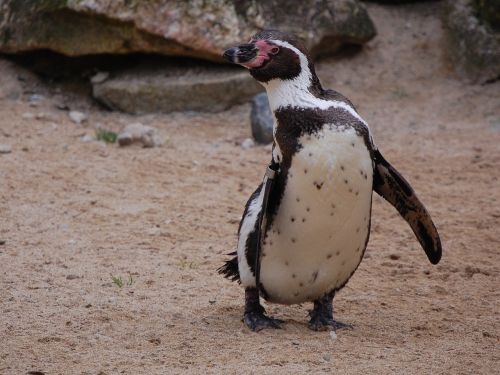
(301,238)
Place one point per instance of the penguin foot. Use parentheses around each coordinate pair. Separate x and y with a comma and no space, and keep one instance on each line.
(320,322)
(256,321)
(322,315)
(254,316)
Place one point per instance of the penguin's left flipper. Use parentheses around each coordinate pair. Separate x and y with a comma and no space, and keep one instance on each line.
(391,186)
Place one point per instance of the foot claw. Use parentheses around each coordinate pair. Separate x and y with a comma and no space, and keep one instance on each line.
(257,321)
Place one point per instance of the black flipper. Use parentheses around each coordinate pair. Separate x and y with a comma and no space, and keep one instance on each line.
(391,186)
(230,269)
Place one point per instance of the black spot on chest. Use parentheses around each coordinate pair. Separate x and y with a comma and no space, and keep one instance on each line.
(292,124)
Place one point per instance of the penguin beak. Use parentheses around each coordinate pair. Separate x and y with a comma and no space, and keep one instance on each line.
(241,54)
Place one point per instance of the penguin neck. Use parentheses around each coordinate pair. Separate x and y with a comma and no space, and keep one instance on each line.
(303,91)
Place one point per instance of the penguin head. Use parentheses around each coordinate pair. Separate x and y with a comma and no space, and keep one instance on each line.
(271,55)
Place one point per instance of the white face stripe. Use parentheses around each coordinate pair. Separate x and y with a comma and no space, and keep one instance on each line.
(295,92)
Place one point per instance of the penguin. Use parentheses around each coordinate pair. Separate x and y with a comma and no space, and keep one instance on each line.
(303,237)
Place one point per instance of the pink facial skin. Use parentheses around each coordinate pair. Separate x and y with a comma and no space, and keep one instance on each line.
(263,55)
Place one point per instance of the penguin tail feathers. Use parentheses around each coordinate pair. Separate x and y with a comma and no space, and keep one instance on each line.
(230,269)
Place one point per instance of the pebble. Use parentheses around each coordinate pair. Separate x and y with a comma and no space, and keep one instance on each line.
(333,335)
(43,116)
(99,77)
(5,149)
(77,117)
(248,143)
(327,357)
(87,138)
(154,231)
(261,119)
(62,106)
(28,116)
(35,100)
(139,133)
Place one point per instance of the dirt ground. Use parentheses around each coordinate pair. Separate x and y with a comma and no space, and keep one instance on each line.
(74,215)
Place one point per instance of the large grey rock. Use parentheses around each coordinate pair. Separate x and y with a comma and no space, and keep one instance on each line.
(195,28)
(187,86)
(489,12)
(397,2)
(261,119)
(473,45)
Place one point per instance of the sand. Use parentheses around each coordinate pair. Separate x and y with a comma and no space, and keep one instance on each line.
(77,217)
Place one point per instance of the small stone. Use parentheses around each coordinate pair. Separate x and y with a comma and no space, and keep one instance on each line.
(87,138)
(43,116)
(155,341)
(125,139)
(62,107)
(154,231)
(35,100)
(333,335)
(72,277)
(327,357)
(2,242)
(5,149)
(99,77)
(261,119)
(247,143)
(77,117)
(139,133)
(28,116)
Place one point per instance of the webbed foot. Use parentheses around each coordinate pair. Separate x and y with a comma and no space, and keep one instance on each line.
(254,316)
(322,315)
(321,322)
(256,321)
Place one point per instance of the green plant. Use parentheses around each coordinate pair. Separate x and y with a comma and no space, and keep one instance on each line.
(130,280)
(106,136)
(118,281)
(183,263)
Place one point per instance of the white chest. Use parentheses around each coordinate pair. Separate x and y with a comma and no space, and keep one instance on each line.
(320,230)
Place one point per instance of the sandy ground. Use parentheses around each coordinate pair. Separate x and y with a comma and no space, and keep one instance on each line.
(75,214)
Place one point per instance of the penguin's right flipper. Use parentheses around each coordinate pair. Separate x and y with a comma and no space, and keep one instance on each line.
(391,186)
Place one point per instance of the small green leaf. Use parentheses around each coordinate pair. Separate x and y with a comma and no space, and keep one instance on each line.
(106,136)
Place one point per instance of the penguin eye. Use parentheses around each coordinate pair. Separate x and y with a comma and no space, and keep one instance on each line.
(274,50)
